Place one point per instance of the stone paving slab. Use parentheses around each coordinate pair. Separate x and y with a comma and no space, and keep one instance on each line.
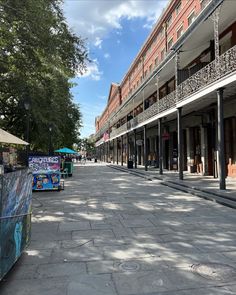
(92,284)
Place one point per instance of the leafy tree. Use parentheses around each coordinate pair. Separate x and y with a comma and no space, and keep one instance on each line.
(87,145)
(38,57)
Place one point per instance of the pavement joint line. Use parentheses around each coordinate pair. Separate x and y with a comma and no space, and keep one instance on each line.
(207,195)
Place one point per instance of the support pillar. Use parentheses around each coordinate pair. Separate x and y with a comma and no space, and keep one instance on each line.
(113,151)
(122,150)
(220,133)
(180,143)
(160,149)
(117,150)
(127,148)
(145,146)
(135,150)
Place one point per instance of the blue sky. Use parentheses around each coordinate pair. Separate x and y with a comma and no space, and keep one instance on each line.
(115,31)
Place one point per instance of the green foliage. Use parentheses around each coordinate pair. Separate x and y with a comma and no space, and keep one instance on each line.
(38,57)
(88,145)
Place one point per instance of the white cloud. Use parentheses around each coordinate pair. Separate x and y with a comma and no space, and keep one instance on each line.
(98,42)
(92,71)
(95,19)
(107,55)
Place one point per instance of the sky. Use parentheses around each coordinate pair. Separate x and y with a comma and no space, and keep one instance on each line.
(115,31)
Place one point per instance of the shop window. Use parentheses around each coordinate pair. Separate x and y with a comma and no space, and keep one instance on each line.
(191,18)
(178,8)
(162,54)
(171,86)
(170,43)
(225,42)
(156,61)
(169,21)
(162,92)
(180,32)
(204,3)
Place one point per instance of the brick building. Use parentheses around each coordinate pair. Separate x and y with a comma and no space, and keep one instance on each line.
(176,106)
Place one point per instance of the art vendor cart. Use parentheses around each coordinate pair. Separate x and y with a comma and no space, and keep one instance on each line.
(46,172)
(15,216)
(15,207)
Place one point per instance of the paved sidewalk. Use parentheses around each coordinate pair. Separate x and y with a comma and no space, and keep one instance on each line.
(112,233)
(207,184)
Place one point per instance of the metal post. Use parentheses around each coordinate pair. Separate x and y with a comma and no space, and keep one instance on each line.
(104,153)
(127,148)
(221,149)
(215,18)
(177,60)
(117,154)
(50,139)
(180,143)
(122,150)
(145,146)
(113,151)
(27,108)
(143,101)
(158,97)
(160,146)
(135,150)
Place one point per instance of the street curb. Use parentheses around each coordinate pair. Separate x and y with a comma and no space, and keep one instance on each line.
(211,196)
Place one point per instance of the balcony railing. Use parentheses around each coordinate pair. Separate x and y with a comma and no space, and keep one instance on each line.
(209,74)
(204,77)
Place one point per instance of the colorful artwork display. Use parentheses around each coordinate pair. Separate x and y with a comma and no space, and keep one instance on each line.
(46,181)
(37,164)
(46,172)
(15,216)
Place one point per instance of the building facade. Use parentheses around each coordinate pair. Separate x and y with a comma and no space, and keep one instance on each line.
(175,108)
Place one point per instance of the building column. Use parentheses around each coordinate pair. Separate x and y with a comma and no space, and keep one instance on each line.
(180,143)
(135,150)
(160,149)
(145,146)
(220,133)
(117,151)
(122,150)
(127,148)
(190,150)
(204,158)
(113,151)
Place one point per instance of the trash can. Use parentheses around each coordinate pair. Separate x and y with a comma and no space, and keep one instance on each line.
(69,166)
(130,165)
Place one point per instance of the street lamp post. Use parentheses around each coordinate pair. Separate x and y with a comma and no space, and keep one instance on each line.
(50,139)
(27,108)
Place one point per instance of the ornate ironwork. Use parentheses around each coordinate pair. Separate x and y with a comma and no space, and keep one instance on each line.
(167,102)
(209,74)
(215,18)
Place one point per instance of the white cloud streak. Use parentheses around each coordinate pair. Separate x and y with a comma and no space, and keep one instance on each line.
(92,71)
(95,19)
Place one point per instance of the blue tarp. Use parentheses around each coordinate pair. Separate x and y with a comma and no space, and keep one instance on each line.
(65,151)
